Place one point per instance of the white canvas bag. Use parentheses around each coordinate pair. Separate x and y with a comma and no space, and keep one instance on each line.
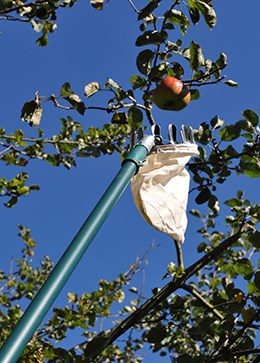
(160,189)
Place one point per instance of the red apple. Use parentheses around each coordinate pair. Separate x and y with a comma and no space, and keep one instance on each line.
(171,94)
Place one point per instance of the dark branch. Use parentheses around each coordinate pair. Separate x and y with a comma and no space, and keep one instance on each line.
(110,336)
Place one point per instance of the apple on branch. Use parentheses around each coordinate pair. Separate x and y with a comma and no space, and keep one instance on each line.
(171,94)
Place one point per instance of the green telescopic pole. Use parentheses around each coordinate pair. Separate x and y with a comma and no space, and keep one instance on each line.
(42,302)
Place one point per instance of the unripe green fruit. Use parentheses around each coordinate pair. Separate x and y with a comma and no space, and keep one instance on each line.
(171,94)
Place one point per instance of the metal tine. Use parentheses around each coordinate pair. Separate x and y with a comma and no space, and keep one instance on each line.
(156,131)
(172,133)
(183,133)
(191,135)
(187,134)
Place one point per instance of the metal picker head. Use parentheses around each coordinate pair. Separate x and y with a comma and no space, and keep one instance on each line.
(186,132)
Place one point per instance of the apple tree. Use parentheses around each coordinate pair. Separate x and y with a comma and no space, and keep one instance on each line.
(205,312)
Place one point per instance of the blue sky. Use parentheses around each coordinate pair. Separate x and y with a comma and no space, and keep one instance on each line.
(92,46)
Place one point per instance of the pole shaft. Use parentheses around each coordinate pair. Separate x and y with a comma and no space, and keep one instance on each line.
(42,302)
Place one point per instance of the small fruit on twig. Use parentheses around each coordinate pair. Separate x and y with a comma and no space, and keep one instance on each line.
(171,94)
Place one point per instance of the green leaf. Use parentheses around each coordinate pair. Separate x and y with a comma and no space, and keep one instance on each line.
(5,4)
(91,88)
(216,122)
(156,334)
(143,61)
(203,196)
(252,288)
(11,202)
(64,354)
(76,102)
(251,116)
(257,280)
(201,247)
(254,239)
(231,83)
(177,17)
(135,117)
(196,56)
(66,90)
(110,83)
(42,41)
(244,268)
(151,37)
(194,15)
(137,81)
(195,94)
(97,4)
(229,132)
(32,113)
(97,342)
(143,13)
(250,166)
(231,151)
(222,61)
(208,13)
(119,118)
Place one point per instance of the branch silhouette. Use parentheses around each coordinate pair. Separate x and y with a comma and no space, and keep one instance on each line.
(104,339)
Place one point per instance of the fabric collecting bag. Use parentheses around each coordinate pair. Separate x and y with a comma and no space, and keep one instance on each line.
(160,189)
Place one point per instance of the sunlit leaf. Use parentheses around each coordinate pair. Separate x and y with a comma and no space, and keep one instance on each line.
(251,116)
(229,132)
(231,83)
(32,113)
(244,268)
(91,88)
(97,4)
(216,122)
(208,12)
(196,56)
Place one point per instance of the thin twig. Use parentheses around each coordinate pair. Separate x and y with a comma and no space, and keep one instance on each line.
(12,18)
(204,302)
(223,348)
(179,253)
(133,6)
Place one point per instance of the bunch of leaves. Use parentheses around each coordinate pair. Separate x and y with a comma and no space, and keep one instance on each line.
(121,99)
(162,33)
(155,61)
(224,156)
(41,14)
(21,282)
(16,187)
(217,316)
(85,312)
(204,307)
(71,142)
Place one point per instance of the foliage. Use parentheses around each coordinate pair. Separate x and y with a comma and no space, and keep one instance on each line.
(206,312)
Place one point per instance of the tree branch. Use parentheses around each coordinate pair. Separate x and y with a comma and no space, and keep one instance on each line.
(110,336)
(204,302)
(227,344)
(133,6)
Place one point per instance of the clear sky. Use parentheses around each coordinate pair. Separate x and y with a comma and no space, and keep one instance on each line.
(92,46)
